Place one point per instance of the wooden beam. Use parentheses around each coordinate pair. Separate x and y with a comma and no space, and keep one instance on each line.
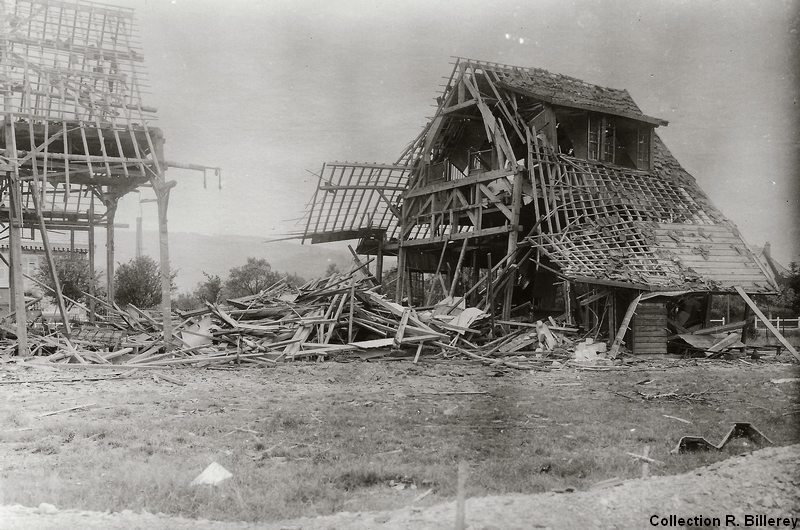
(455,237)
(497,201)
(91,260)
(767,323)
(623,327)
(111,210)
(458,268)
(50,261)
(452,184)
(513,237)
(15,230)
(720,329)
(459,106)
(379,261)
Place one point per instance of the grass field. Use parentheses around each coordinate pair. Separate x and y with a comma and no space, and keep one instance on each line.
(305,439)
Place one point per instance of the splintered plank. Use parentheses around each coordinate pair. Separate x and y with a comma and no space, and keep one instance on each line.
(766,322)
(623,327)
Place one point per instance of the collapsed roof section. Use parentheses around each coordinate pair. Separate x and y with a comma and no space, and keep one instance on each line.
(356,200)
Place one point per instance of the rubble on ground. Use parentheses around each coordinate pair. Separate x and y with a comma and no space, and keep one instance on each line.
(341,317)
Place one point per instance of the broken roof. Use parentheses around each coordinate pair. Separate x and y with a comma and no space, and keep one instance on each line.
(652,230)
(562,90)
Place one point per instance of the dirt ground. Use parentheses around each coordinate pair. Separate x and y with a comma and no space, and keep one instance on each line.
(364,445)
(765,483)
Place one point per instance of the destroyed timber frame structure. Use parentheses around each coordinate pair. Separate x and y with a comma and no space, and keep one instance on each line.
(77,135)
(564,181)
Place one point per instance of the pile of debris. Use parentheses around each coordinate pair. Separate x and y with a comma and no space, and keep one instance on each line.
(341,315)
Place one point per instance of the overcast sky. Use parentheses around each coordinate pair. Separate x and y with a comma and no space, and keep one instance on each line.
(270,89)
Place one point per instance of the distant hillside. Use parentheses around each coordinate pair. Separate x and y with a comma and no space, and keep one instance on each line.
(192,254)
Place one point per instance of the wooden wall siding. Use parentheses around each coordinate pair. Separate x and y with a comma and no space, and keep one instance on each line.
(650,328)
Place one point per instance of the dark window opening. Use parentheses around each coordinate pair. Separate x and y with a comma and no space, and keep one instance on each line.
(619,141)
(602,138)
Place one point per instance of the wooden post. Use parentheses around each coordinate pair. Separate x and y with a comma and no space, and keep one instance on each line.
(513,235)
(429,298)
(568,301)
(707,316)
(139,233)
(162,197)
(401,267)
(92,315)
(475,273)
(16,281)
(352,311)
(457,272)
(15,258)
(490,294)
(111,211)
(379,260)
(746,325)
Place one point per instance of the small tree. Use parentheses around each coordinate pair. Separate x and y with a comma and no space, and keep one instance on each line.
(210,289)
(138,282)
(332,269)
(73,274)
(251,278)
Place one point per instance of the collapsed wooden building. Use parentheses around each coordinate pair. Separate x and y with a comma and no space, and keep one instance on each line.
(531,194)
(77,134)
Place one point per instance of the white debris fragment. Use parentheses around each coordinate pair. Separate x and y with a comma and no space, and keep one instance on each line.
(212,475)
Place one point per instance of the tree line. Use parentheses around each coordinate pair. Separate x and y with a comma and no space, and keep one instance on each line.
(138,282)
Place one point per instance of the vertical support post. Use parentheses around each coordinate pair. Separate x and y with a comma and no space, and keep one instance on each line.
(490,293)
(139,234)
(15,227)
(379,260)
(162,189)
(746,327)
(513,234)
(111,211)
(15,258)
(475,275)
(707,316)
(567,286)
(92,292)
(401,268)
(457,273)
(727,309)
(162,197)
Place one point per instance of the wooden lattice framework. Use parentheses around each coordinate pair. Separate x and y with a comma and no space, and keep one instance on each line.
(77,134)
